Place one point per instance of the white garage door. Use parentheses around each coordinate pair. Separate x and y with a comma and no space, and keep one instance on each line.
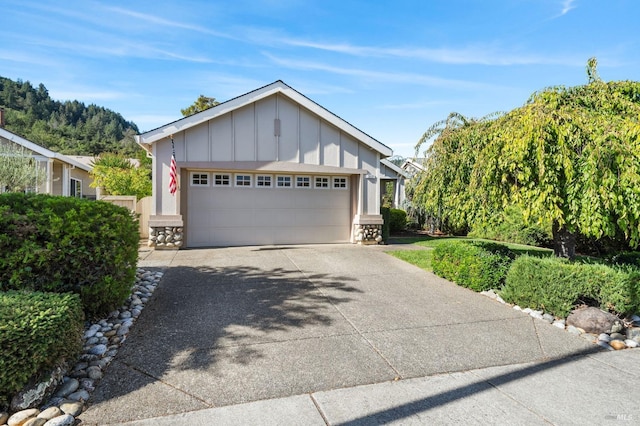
(232,209)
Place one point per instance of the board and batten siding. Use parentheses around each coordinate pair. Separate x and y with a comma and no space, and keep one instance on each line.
(249,133)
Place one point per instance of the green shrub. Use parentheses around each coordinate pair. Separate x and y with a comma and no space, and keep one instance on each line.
(398,220)
(386,227)
(477,265)
(626,258)
(509,225)
(557,286)
(65,244)
(37,331)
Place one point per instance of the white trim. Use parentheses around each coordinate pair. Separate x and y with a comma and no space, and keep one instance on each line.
(269,180)
(242,175)
(71,192)
(290,181)
(344,180)
(323,180)
(395,168)
(214,179)
(192,176)
(280,87)
(308,181)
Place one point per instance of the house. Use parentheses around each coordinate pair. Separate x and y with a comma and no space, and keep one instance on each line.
(413,167)
(63,174)
(268,167)
(396,176)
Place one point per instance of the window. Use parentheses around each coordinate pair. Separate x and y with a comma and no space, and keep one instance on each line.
(75,188)
(221,179)
(283,181)
(339,182)
(264,181)
(243,180)
(321,182)
(199,179)
(303,181)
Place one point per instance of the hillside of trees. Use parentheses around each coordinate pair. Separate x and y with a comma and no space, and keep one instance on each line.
(69,127)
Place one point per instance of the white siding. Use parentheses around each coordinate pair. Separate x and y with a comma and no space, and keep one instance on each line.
(197,143)
(244,132)
(309,136)
(288,141)
(266,140)
(221,133)
(330,145)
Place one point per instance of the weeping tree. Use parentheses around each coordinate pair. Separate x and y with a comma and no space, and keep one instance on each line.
(570,155)
(19,171)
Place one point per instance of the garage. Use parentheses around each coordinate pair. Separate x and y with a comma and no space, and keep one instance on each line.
(232,209)
(268,167)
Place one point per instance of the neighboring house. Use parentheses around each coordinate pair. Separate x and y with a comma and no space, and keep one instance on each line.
(412,167)
(63,174)
(268,167)
(389,172)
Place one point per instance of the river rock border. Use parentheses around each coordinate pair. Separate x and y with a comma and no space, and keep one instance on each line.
(101,341)
(625,337)
(165,237)
(368,234)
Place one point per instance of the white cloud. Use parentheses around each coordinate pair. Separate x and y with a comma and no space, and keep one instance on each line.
(567,5)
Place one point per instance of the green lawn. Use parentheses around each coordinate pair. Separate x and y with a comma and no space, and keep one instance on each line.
(422,258)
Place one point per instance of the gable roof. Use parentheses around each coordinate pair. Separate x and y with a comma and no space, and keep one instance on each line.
(280,87)
(414,165)
(395,168)
(12,137)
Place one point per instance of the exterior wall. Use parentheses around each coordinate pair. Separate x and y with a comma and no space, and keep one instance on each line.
(85,178)
(272,129)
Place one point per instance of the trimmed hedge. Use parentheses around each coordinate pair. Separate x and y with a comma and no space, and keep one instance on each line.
(65,244)
(557,286)
(477,265)
(37,331)
(398,220)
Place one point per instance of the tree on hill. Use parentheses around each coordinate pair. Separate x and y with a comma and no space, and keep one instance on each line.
(68,127)
(570,155)
(201,104)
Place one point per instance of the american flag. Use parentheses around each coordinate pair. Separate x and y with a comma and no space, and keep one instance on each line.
(173,178)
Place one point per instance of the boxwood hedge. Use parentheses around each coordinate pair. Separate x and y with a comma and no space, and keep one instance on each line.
(37,330)
(65,244)
(557,286)
(477,265)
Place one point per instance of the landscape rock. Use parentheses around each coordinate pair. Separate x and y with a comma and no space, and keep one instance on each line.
(68,386)
(50,413)
(35,392)
(64,420)
(633,332)
(20,417)
(617,344)
(631,343)
(3,417)
(36,421)
(592,320)
(73,408)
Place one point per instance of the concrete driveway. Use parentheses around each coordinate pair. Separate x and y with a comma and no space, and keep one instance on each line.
(234,325)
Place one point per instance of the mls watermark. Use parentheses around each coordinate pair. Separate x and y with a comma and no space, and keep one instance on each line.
(621,417)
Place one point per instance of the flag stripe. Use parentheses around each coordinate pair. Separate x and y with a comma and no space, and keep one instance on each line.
(173,178)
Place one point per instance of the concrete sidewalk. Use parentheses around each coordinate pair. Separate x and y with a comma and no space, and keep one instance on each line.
(342,334)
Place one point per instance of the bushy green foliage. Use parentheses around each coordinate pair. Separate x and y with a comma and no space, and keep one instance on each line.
(117,176)
(626,258)
(37,331)
(557,286)
(397,220)
(509,225)
(69,127)
(386,226)
(65,244)
(476,265)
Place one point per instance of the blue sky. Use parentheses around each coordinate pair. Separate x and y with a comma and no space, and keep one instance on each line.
(391,68)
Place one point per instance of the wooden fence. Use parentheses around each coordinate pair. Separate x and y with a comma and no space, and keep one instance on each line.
(141,207)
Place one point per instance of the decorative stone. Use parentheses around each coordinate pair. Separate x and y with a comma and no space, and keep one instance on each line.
(98,350)
(50,413)
(4,417)
(617,336)
(635,320)
(633,333)
(73,408)
(21,416)
(573,330)
(631,343)
(617,344)
(64,420)
(604,345)
(34,393)
(81,395)
(548,318)
(36,421)
(592,320)
(604,337)
(559,324)
(94,373)
(68,386)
